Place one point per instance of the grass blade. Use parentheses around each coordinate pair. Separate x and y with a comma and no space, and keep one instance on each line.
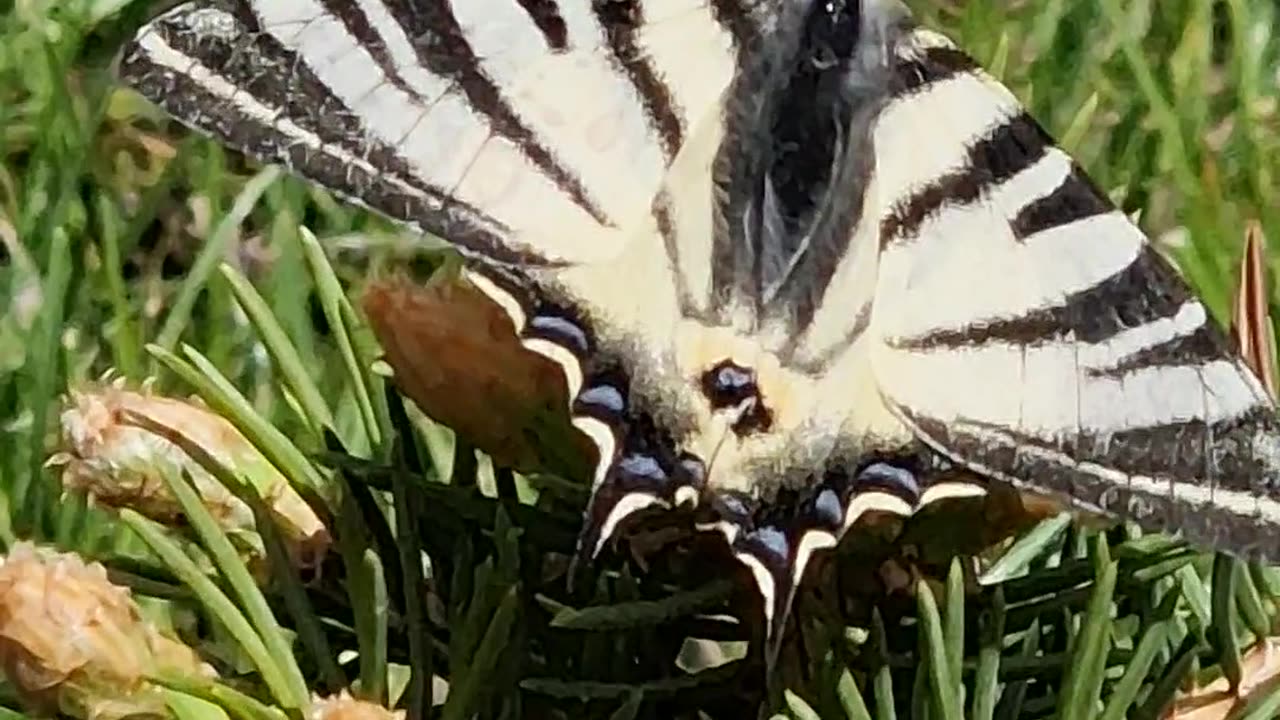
(214,388)
(1083,683)
(855,708)
(1034,544)
(1153,640)
(944,688)
(331,298)
(799,709)
(986,684)
(217,604)
(42,361)
(410,546)
(883,678)
(464,694)
(211,254)
(953,628)
(289,364)
(643,613)
(1223,628)
(228,560)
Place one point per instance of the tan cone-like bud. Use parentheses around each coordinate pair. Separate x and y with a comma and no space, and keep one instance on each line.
(72,641)
(120,464)
(344,707)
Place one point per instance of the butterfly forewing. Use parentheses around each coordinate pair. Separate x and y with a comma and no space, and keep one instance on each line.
(462,118)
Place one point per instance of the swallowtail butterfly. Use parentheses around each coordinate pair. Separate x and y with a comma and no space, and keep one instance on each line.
(781,250)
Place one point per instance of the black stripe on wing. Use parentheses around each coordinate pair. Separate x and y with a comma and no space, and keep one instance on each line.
(1075,199)
(1223,461)
(274,78)
(545,15)
(1011,147)
(442,47)
(917,72)
(353,18)
(1145,291)
(622,21)
(1206,344)
(663,210)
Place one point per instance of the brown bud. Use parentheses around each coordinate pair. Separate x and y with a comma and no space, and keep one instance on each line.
(72,641)
(344,707)
(119,464)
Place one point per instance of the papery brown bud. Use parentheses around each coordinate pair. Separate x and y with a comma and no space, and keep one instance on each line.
(457,355)
(119,464)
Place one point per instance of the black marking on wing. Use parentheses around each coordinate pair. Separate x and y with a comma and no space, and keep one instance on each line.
(1188,450)
(859,321)
(622,20)
(276,78)
(442,47)
(935,64)
(1075,199)
(773,532)
(353,18)
(663,217)
(1230,455)
(1203,346)
(546,16)
(1148,289)
(1010,148)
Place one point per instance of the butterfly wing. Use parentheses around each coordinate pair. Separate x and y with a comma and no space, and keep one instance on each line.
(1031,332)
(564,143)
(533,132)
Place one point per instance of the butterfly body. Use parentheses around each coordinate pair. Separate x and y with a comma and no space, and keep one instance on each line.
(791,257)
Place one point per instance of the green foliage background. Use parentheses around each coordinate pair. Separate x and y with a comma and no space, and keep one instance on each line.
(113,228)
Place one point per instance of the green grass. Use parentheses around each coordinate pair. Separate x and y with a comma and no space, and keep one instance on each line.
(113,225)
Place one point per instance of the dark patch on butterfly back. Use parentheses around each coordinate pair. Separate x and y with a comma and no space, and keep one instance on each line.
(736,18)
(790,129)
(729,386)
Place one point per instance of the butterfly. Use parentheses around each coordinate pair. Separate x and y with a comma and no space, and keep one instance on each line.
(791,258)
